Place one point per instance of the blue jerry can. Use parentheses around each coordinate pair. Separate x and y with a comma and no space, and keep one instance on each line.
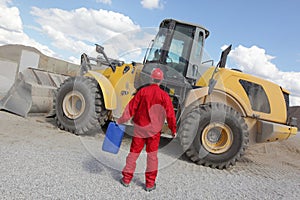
(113,137)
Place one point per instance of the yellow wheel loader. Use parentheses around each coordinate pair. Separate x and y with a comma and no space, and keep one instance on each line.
(219,111)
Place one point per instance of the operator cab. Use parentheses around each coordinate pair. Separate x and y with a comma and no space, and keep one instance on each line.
(178,46)
(177,50)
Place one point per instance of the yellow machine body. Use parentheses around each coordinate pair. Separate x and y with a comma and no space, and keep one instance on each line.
(264,109)
(117,87)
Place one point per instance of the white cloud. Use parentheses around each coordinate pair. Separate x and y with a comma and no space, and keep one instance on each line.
(151,4)
(73,59)
(9,17)
(77,30)
(11,28)
(294,101)
(5,2)
(8,37)
(130,46)
(254,60)
(109,2)
(61,41)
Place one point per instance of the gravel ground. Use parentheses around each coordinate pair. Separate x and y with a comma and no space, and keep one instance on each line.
(38,161)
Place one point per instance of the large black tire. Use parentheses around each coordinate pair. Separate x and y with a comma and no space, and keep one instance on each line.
(79,106)
(213,135)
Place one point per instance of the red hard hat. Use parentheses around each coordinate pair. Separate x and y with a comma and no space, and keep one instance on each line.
(157,74)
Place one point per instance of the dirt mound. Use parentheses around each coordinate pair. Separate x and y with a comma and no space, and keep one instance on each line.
(277,154)
(14,53)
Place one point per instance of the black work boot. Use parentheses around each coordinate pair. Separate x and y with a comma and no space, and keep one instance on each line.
(123,183)
(151,188)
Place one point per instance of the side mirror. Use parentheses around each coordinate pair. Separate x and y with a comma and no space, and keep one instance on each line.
(99,48)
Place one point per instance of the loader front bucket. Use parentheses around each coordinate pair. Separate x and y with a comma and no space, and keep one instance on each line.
(18,99)
(32,92)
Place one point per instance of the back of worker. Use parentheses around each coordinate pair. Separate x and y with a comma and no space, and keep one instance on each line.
(149,108)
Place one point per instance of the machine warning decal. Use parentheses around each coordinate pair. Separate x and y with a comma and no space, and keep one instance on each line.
(124,92)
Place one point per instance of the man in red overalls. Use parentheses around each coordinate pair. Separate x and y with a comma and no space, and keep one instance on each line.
(149,109)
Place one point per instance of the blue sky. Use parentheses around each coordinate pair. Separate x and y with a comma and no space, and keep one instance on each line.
(264,33)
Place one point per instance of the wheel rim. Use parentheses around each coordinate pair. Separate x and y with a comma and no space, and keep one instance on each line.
(73,105)
(217,138)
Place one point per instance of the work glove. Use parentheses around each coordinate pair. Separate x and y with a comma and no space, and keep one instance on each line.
(115,121)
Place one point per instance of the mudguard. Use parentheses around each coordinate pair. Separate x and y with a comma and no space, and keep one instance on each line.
(108,91)
(201,96)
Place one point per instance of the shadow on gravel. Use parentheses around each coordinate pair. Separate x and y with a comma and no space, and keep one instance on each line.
(117,175)
(172,148)
(51,121)
(92,133)
(93,166)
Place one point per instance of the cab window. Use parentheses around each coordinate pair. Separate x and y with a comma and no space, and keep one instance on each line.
(257,96)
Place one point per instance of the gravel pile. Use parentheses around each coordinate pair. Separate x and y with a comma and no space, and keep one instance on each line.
(38,161)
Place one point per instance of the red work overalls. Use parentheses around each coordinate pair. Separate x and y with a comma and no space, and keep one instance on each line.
(149,109)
